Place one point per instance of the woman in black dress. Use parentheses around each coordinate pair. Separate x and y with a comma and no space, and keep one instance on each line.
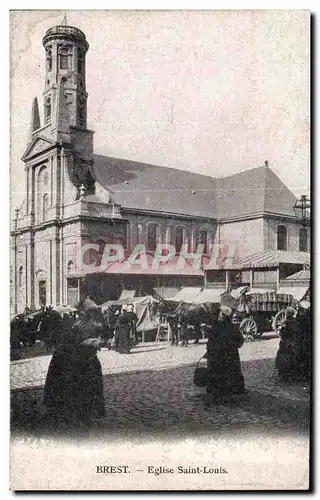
(288,352)
(224,368)
(73,389)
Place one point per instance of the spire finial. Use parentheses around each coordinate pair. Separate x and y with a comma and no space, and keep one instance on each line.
(266,163)
(35,119)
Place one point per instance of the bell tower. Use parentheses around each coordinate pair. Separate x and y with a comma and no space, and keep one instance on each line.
(65,52)
(63,136)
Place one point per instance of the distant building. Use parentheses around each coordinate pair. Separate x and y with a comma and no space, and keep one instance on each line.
(75,197)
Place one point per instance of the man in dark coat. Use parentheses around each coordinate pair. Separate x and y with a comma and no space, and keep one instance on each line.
(73,389)
(224,369)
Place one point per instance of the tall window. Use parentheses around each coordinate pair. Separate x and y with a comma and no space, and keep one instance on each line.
(45,204)
(303,240)
(282,238)
(64,61)
(20,276)
(48,108)
(203,240)
(179,238)
(70,266)
(49,59)
(152,236)
(80,62)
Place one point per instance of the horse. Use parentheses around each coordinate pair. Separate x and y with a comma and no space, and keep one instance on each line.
(50,328)
(194,315)
(187,315)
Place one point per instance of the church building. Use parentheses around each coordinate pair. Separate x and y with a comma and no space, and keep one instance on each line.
(76,199)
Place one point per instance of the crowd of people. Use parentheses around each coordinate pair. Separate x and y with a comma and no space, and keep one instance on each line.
(74,387)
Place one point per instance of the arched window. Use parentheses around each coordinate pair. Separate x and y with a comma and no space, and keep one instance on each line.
(70,267)
(303,240)
(180,238)
(42,197)
(48,108)
(282,238)
(80,63)
(152,236)
(45,204)
(20,276)
(203,239)
(49,59)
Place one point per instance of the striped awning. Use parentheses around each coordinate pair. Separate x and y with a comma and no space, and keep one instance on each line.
(269,258)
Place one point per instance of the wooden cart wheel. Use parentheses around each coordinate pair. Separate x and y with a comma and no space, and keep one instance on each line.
(278,320)
(249,329)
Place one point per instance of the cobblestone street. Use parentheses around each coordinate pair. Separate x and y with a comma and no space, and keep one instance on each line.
(151,390)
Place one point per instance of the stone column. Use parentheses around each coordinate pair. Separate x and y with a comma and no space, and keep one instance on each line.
(193,242)
(27,188)
(56,268)
(140,231)
(14,275)
(61,269)
(168,236)
(32,271)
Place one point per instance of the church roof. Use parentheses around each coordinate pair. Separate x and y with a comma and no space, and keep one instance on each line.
(142,186)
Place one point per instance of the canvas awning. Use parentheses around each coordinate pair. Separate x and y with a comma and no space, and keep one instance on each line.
(303,275)
(146,300)
(297,292)
(238,292)
(188,294)
(212,295)
(165,293)
(127,294)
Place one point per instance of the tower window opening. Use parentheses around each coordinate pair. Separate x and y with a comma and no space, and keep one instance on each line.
(64,61)
(80,62)
(49,60)
(48,108)
(81,111)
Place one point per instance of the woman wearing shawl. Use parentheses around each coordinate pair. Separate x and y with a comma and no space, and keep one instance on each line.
(287,355)
(224,369)
(73,389)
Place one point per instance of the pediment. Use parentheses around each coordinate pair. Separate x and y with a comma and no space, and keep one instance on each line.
(38,145)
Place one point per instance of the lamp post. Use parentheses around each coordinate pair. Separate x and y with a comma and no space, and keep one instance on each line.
(301,207)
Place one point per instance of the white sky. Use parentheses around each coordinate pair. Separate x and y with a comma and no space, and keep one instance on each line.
(216,92)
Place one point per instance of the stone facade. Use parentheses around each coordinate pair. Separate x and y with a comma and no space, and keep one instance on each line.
(65,208)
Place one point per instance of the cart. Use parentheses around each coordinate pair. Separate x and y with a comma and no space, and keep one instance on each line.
(256,312)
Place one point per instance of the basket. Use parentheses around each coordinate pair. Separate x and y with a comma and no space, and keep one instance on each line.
(200,377)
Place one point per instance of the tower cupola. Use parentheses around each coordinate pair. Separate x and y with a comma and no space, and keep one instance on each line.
(66,48)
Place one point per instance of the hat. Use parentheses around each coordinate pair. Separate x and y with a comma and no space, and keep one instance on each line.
(305,304)
(89,305)
(227,311)
(290,312)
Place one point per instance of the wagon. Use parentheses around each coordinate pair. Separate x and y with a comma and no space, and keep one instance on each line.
(279,318)
(255,311)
